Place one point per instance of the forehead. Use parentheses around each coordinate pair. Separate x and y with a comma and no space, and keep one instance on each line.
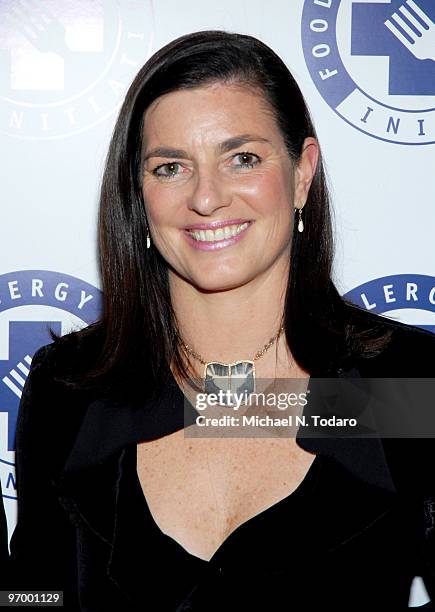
(212,110)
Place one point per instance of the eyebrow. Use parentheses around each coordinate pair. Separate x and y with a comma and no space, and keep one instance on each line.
(222,147)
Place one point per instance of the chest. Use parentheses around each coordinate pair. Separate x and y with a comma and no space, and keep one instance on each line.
(200,490)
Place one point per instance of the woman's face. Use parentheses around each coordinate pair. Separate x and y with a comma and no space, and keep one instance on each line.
(219,186)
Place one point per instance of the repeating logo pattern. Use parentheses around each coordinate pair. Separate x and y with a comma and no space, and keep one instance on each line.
(65,66)
(31,302)
(414,293)
(373,62)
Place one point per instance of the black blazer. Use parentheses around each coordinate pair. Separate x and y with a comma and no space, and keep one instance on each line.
(75,531)
(3,537)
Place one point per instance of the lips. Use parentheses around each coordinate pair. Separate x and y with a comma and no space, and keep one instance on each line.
(216,224)
(218,238)
(220,233)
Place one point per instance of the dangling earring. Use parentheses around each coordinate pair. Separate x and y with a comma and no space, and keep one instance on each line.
(148,238)
(301,223)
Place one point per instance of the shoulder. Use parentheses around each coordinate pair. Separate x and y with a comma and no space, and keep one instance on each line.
(50,412)
(409,351)
(68,354)
(409,354)
(48,386)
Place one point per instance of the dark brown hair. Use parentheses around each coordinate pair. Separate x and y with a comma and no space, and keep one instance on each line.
(136,328)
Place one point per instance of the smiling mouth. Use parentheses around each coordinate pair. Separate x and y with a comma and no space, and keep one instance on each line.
(221,233)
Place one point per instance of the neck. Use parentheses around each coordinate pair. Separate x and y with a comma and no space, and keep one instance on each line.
(233,324)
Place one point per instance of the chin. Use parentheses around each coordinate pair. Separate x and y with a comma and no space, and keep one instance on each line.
(220,282)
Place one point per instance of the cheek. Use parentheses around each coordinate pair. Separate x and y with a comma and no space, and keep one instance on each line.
(271,191)
(160,204)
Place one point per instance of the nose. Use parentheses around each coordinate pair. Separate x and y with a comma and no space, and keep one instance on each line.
(209,194)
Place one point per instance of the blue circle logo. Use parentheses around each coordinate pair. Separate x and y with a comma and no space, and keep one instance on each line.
(65,66)
(31,302)
(373,62)
(412,295)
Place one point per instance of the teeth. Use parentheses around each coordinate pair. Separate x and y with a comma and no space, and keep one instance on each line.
(219,234)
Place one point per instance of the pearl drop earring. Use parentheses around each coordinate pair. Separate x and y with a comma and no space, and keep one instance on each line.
(148,239)
(301,223)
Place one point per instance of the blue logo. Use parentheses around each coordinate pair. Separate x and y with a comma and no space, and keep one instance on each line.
(414,294)
(373,62)
(31,302)
(65,66)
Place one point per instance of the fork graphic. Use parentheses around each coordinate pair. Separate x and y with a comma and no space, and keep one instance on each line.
(17,386)
(422,43)
(38,25)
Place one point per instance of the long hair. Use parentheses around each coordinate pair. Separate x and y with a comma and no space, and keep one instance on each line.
(137,327)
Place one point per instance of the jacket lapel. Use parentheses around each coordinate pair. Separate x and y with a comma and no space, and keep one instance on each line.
(88,482)
(98,484)
(94,486)
(358,449)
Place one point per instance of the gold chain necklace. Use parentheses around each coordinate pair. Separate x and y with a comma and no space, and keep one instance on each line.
(235,377)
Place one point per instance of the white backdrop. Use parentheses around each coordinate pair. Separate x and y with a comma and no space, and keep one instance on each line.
(372,96)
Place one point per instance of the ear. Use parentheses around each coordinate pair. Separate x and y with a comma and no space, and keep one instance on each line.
(305,170)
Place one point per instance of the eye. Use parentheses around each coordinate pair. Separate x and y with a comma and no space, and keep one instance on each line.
(248,160)
(171,167)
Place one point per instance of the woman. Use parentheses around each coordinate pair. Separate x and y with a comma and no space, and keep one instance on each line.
(216,246)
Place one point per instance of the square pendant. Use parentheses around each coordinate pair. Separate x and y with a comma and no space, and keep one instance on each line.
(237,377)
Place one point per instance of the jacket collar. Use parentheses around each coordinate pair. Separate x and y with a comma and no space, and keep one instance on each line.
(109,426)
(361,452)
(95,480)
